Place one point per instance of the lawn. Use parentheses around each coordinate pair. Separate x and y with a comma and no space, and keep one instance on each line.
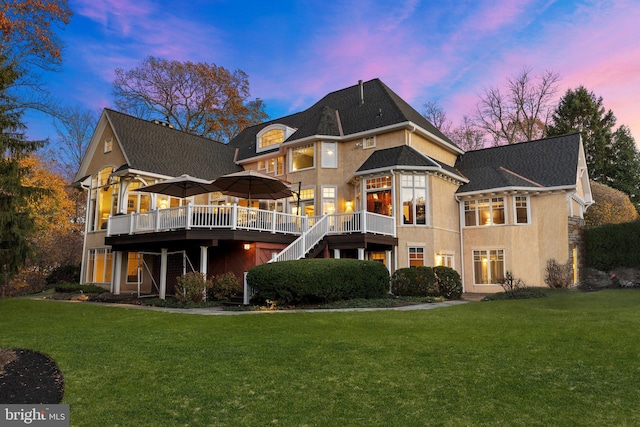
(571,359)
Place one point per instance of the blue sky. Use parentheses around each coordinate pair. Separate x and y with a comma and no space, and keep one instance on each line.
(297,51)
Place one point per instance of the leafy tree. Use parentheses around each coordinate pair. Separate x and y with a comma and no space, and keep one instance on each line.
(612,156)
(199,98)
(521,112)
(611,207)
(30,43)
(16,222)
(58,236)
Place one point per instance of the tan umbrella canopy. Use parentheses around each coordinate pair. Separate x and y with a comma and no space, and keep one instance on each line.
(250,184)
(183,186)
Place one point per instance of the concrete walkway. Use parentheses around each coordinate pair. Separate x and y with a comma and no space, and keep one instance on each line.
(213,311)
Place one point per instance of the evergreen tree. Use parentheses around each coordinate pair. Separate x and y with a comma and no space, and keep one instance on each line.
(612,156)
(16,223)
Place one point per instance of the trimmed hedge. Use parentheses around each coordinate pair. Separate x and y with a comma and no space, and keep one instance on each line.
(427,282)
(612,246)
(414,282)
(321,280)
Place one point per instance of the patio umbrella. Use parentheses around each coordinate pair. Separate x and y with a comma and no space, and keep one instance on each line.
(251,184)
(183,186)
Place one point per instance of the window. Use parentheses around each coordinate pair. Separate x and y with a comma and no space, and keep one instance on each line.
(262,165)
(484,212)
(445,260)
(414,195)
(271,137)
(304,206)
(329,155)
(302,157)
(108,145)
(275,165)
(99,266)
(378,193)
(368,142)
(104,199)
(522,209)
(416,256)
(488,266)
(134,267)
(328,200)
(378,256)
(137,202)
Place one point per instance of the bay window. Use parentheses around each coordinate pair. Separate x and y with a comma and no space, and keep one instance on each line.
(414,194)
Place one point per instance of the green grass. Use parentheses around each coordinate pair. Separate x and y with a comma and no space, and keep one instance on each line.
(569,359)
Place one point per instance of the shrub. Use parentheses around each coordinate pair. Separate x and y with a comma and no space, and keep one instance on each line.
(322,280)
(414,282)
(64,274)
(511,283)
(74,288)
(449,282)
(612,246)
(559,275)
(191,287)
(224,287)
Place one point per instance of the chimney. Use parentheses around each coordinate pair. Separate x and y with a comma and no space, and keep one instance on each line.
(361,92)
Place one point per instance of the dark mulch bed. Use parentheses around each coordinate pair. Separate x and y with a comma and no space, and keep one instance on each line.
(29,377)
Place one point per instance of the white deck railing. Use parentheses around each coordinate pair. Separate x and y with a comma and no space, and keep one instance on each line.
(310,229)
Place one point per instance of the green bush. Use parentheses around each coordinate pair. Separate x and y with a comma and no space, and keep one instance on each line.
(414,282)
(449,282)
(191,287)
(64,274)
(224,287)
(427,282)
(612,246)
(312,281)
(73,288)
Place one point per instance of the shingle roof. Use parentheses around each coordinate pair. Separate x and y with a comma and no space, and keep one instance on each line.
(549,162)
(159,149)
(402,157)
(342,110)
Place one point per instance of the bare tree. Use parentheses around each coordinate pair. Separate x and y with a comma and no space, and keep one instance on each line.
(199,98)
(522,111)
(434,112)
(74,126)
(468,136)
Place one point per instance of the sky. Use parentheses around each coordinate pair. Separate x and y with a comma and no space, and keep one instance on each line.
(295,52)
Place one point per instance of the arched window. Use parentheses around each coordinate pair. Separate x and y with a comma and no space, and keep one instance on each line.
(272,135)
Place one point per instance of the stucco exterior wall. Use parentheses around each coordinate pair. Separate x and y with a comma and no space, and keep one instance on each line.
(527,248)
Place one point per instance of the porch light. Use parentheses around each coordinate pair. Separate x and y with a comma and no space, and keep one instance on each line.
(348,206)
(246,246)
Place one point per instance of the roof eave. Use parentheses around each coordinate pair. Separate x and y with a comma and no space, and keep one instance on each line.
(515,189)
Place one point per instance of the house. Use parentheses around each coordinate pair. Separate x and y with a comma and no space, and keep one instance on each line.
(372,179)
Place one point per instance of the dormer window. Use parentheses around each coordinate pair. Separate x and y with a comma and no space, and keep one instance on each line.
(272,135)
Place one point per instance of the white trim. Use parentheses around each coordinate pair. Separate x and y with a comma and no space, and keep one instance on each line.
(290,156)
(327,145)
(486,250)
(275,126)
(515,209)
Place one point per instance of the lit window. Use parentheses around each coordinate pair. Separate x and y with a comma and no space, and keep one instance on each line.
(488,266)
(134,267)
(329,155)
(444,260)
(414,196)
(108,145)
(304,205)
(522,209)
(416,256)
(328,200)
(302,157)
(368,142)
(378,195)
(271,137)
(99,266)
(484,212)
(275,165)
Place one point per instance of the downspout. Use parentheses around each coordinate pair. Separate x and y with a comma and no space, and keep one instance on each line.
(462,263)
(413,130)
